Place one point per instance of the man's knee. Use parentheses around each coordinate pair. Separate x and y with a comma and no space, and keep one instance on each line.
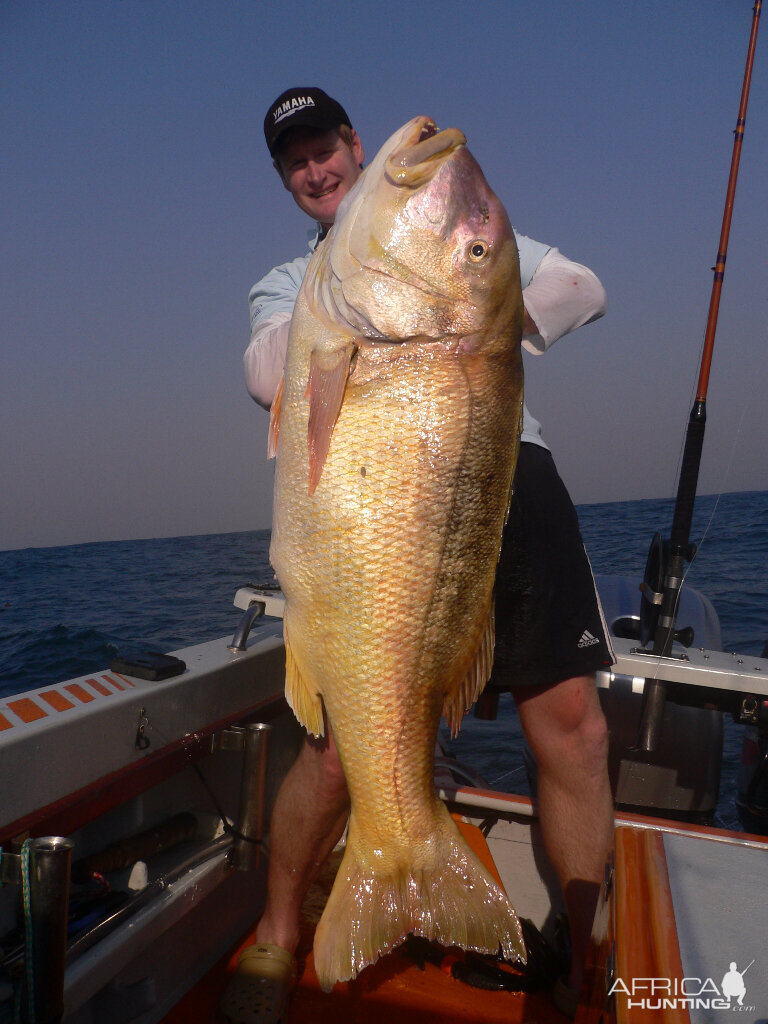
(335,780)
(583,720)
(565,721)
(594,733)
(320,760)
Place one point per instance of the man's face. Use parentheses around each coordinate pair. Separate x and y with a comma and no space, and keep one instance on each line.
(318,169)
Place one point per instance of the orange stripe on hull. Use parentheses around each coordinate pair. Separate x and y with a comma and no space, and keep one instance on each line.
(57,700)
(99,687)
(125,679)
(27,710)
(80,692)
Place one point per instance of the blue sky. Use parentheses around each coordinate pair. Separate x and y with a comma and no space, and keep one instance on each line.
(139,205)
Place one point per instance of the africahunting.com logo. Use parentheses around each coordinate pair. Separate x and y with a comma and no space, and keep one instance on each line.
(730,993)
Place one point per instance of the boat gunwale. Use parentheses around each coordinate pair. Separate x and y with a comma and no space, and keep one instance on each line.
(75,809)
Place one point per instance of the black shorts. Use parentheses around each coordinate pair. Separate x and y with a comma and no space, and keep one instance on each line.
(549,624)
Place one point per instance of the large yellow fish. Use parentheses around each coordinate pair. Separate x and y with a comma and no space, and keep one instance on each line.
(396,433)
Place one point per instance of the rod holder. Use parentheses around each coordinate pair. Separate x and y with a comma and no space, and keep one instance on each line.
(250,816)
(49,869)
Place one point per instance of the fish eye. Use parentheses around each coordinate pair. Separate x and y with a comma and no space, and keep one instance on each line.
(477,250)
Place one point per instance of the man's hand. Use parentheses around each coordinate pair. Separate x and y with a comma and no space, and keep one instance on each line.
(529,325)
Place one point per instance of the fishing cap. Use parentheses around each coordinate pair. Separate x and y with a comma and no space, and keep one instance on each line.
(307,107)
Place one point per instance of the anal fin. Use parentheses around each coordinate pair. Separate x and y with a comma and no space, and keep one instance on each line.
(306,704)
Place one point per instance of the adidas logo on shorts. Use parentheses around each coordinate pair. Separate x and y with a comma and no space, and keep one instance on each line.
(587,640)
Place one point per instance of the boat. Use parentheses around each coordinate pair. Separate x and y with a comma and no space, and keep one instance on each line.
(134,834)
(153,796)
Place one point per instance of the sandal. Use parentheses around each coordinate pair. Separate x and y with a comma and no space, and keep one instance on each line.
(565,998)
(260,987)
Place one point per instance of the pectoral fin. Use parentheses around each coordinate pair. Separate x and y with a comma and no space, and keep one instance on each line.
(328,372)
(461,699)
(275,411)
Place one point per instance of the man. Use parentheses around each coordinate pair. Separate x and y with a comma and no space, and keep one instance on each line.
(319,156)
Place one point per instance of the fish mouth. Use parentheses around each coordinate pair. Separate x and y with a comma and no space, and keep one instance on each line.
(421,153)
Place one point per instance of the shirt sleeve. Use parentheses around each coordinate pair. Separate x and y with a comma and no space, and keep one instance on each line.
(531,254)
(271,302)
(276,292)
(561,296)
(265,357)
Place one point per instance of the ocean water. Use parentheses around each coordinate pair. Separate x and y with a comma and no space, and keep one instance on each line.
(67,611)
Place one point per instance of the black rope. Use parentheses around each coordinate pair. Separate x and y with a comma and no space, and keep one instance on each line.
(229,829)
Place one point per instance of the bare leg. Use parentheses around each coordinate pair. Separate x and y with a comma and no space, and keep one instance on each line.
(307,821)
(566,730)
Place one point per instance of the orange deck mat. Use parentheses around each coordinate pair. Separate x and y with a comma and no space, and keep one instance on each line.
(393,989)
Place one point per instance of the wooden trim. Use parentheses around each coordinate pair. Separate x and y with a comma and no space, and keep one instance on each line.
(629,818)
(645,933)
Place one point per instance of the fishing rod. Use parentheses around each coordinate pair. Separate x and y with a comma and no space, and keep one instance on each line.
(665,568)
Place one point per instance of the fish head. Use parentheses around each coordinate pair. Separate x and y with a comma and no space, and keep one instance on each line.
(421,246)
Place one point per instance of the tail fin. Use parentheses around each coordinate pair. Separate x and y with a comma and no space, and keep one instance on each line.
(440,891)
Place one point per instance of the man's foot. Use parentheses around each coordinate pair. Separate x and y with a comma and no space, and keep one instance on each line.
(259,990)
(565,998)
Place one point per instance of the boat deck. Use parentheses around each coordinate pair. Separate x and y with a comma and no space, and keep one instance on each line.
(393,988)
